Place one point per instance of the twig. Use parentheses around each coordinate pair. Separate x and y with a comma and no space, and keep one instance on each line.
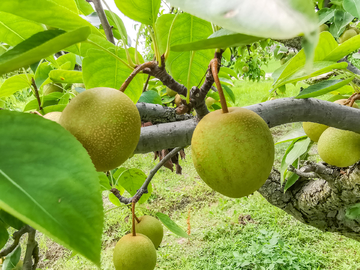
(150,65)
(144,187)
(36,94)
(315,170)
(104,22)
(214,65)
(16,236)
(146,83)
(30,247)
(133,217)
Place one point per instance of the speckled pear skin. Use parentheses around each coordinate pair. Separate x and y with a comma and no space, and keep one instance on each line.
(338,147)
(53,116)
(152,228)
(106,122)
(233,152)
(134,253)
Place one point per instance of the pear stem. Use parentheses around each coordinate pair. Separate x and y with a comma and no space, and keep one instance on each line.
(214,65)
(133,218)
(139,68)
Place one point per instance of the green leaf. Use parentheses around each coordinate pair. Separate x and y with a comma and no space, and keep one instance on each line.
(14,29)
(114,200)
(229,94)
(50,99)
(12,259)
(229,71)
(56,14)
(323,88)
(40,46)
(84,7)
(344,49)
(220,39)
(14,84)
(186,28)
(325,15)
(54,108)
(353,212)
(132,180)
(104,181)
(171,225)
(341,20)
(4,235)
(69,57)
(11,220)
(66,76)
(101,69)
(47,169)
(42,73)
(353,7)
(138,10)
(326,45)
(291,180)
(150,97)
(281,19)
(293,134)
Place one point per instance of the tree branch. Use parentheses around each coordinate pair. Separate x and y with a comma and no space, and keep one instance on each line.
(16,236)
(104,22)
(144,187)
(30,247)
(274,112)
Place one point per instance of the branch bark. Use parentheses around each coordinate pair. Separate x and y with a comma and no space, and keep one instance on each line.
(274,113)
(104,22)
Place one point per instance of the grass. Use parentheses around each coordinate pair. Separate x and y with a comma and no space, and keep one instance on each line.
(245,233)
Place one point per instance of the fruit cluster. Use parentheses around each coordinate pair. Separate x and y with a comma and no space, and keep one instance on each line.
(336,147)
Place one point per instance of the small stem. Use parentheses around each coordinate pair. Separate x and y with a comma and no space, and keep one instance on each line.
(137,219)
(133,218)
(37,94)
(150,64)
(104,22)
(30,247)
(146,83)
(214,65)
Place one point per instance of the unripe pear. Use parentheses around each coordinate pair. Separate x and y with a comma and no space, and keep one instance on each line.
(338,147)
(53,116)
(51,88)
(314,130)
(347,35)
(209,101)
(245,69)
(343,101)
(233,152)
(134,253)
(152,228)
(177,100)
(106,122)
(323,27)
(170,93)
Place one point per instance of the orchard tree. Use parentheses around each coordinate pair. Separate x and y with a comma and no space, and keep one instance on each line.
(57,49)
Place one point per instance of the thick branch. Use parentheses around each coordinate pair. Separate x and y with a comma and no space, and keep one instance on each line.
(274,113)
(30,247)
(321,204)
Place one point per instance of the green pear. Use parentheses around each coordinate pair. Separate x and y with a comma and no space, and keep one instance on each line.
(323,27)
(314,130)
(134,253)
(209,101)
(53,116)
(245,69)
(152,228)
(338,147)
(170,93)
(106,122)
(347,35)
(233,152)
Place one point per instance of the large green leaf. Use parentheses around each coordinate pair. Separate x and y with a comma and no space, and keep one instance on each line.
(220,39)
(101,69)
(42,73)
(46,169)
(171,225)
(325,15)
(49,12)
(326,45)
(14,84)
(187,28)
(279,19)
(69,57)
(40,46)
(323,88)
(341,20)
(66,76)
(84,7)
(344,49)
(14,29)
(150,97)
(139,10)
(12,259)
(353,7)
(4,235)
(50,99)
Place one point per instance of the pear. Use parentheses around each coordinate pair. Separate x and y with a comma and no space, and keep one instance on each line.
(53,116)
(134,253)
(338,147)
(177,100)
(152,228)
(209,101)
(170,93)
(245,69)
(106,122)
(342,102)
(347,35)
(51,88)
(314,130)
(323,27)
(233,152)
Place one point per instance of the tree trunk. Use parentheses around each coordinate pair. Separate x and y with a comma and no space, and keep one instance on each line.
(319,203)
